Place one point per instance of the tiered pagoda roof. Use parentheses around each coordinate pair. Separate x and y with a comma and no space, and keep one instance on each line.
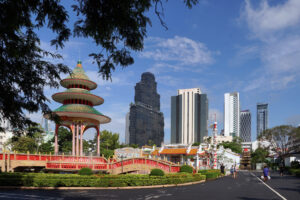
(77,100)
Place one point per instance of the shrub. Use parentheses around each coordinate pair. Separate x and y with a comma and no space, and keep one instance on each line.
(85,171)
(295,165)
(157,172)
(186,168)
(210,173)
(75,180)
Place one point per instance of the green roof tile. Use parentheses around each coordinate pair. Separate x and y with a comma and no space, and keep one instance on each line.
(78,108)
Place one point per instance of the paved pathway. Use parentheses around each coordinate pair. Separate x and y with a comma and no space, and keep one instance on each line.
(245,187)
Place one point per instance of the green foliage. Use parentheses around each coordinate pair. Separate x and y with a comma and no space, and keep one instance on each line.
(116,28)
(259,155)
(74,180)
(28,141)
(235,145)
(295,172)
(157,172)
(24,144)
(85,171)
(46,147)
(196,144)
(279,138)
(186,168)
(210,173)
(295,164)
(108,143)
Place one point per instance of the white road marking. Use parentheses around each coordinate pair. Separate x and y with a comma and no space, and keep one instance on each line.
(269,187)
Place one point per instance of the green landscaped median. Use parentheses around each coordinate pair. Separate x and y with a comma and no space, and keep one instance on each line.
(74,180)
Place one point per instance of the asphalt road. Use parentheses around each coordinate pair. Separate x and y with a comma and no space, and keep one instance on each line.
(246,186)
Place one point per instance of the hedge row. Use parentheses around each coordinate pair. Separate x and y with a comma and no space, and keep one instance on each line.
(295,172)
(73,180)
(211,173)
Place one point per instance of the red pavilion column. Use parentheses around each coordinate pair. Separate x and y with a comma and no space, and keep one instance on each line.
(77,139)
(56,140)
(98,141)
(73,138)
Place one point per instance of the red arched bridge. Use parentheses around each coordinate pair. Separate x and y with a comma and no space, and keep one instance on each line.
(13,162)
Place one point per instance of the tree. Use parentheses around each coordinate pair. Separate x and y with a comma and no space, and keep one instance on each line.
(46,147)
(64,140)
(280,138)
(235,145)
(117,27)
(26,141)
(24,144)
(196,144)
(259,155)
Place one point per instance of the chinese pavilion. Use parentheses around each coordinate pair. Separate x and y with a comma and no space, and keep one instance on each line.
(77,112)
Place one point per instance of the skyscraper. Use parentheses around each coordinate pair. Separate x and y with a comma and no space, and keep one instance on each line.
(262,117)
(145,121)
(189,116)
(245,125)
(232,114)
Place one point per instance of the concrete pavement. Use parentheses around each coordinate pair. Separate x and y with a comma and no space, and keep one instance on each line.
(245,187)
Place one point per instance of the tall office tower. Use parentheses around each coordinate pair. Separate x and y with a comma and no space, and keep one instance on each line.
(189,116)
(146,122)
(245,125)
(262,117)
(232,114)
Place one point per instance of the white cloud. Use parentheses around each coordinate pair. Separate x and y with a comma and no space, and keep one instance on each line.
(268,19)
(182,50)
(276,27)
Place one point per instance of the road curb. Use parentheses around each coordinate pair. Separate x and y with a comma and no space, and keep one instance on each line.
(99,188)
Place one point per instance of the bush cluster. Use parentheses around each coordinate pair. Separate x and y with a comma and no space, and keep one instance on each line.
(157,172)
(295,172)
(295,165)
(186,168)
(85,171)
(210,173)
(74,180)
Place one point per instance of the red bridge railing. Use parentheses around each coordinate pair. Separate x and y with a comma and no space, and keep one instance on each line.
(96,163)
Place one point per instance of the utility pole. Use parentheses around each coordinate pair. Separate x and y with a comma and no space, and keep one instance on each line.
(215,132)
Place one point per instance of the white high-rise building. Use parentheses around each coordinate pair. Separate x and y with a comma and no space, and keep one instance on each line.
(6,135)
(189,116)
(127,128)
(232,114)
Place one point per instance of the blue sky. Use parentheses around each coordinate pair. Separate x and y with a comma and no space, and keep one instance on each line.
(252,47)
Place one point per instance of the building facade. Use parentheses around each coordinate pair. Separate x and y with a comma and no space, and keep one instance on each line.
(232,114)
(245,126)
(145,121)
(127,128)
(189,116)
(262,117)
(6,134)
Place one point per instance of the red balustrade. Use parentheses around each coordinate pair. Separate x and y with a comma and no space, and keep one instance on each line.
(97,163)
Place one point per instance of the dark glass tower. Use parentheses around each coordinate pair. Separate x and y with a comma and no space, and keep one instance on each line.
(146,122)
(262,117)
(245,126)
